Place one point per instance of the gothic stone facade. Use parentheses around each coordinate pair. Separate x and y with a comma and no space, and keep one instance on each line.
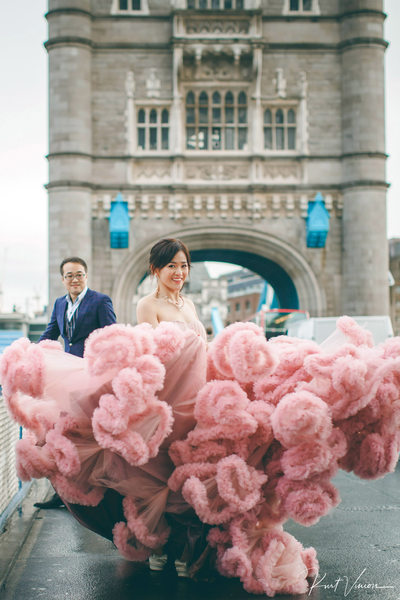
(219,120)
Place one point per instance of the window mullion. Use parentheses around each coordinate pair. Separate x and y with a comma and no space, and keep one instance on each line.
(159,135)
(285,134)
(144,125)
(222,124)
(236,117)
(286,137)
(210,135)
(273,131)
(196,116)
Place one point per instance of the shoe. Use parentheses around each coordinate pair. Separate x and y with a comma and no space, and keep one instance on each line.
(181,568)
(54,502)
(157,562)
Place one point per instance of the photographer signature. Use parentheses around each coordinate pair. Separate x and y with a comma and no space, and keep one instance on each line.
(346,584)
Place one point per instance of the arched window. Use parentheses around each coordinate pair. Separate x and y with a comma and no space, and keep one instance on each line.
(153,129)
(164,129)
(279,129)
(291,129)
(216,120)
(242,120)
(268,129)
(301,5)
(129,5)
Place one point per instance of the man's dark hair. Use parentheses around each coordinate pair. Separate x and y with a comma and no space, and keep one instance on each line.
(74,259)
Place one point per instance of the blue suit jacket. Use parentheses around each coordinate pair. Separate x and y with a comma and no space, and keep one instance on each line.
(95,311)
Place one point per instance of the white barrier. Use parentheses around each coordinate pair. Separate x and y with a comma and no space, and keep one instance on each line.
(9,433)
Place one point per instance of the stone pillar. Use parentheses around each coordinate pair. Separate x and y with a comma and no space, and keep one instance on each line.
(176,110)
(257,116)
(70,135)
(365,251)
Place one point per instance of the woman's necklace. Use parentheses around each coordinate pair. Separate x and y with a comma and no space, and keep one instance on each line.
(179,304)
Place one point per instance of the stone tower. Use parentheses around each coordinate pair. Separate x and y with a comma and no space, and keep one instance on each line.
(365,250)
(218,121)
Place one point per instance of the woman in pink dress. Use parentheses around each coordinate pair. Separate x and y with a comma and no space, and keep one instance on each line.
(100,427)
(148,451)
(170,265)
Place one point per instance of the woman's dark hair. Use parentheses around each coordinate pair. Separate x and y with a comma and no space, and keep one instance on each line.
(164,251)
(73,259)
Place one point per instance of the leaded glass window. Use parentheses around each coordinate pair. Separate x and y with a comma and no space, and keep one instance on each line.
(279,128)
(216,120)
(301,5)
(129,5)
(153,129)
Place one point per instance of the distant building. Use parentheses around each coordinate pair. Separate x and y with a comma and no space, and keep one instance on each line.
(214,295)
(243,294)
(14,325)
(394,265)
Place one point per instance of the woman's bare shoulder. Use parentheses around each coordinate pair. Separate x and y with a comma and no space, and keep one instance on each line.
(146,310)
(188,301)
(191,306)
(149,300)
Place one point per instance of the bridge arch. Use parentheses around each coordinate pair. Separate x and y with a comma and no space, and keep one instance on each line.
(277,261)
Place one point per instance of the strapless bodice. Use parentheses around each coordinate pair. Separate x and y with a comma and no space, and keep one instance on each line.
(195,326)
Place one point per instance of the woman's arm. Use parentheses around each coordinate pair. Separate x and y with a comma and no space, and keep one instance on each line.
(146,312)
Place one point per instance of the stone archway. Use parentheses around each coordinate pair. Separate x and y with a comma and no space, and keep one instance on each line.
(255,243)
(269,270)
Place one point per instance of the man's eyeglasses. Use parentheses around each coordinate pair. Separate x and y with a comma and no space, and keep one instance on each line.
(71,276)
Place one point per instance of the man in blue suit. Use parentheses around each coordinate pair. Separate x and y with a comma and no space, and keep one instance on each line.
(74,317)
(80,311)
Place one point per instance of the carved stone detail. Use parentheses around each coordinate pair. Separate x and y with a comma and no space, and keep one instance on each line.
(130,84)
(303,205)
(214,171)
(290,206)
(267,171)
(143,171)
(280,83)
(217,68)
(222,27)
(153,85)
(281,172)
(209,206)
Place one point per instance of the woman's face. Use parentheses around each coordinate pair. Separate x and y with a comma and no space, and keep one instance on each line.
(174,274)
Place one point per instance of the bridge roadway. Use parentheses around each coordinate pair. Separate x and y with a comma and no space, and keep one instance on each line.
(47,555)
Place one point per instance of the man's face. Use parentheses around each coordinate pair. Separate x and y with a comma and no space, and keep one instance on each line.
(74,278)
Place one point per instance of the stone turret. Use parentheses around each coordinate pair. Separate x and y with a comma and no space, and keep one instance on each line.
(70,145)
(218,127)
(365,252)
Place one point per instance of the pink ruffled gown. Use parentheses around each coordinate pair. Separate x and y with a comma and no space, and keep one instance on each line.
(100,427)
(145,448)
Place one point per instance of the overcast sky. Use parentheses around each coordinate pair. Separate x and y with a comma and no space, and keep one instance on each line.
(23,146)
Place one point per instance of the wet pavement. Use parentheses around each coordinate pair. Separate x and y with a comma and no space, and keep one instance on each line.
(47,555)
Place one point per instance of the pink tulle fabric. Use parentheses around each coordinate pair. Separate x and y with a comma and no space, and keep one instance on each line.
(247,435)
